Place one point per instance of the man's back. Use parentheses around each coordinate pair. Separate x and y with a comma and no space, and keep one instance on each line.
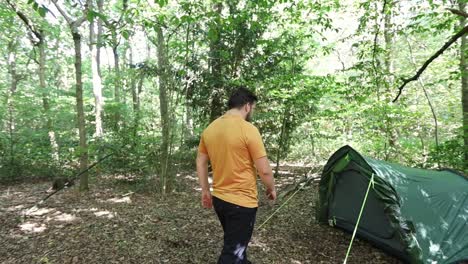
(232,145)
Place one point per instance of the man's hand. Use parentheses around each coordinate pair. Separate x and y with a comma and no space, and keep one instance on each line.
(271,194)
(206,200)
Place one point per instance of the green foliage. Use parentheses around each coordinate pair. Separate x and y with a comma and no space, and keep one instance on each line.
(41,9)
(449,154)
(319,68)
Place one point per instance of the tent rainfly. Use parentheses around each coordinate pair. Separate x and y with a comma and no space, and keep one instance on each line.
(418,215)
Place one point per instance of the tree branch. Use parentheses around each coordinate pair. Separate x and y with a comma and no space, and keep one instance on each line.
(28,24)
(74,24)
(74,178)
(62,12)
(453,39)
(124,8)
(80,20)
(458,12)
(376,36)
(374,50)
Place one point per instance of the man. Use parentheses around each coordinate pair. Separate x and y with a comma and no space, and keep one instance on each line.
(233,146)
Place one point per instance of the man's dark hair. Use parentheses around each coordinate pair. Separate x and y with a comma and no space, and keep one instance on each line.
(240,97)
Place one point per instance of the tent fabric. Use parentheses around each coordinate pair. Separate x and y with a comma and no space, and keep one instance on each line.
(417,215)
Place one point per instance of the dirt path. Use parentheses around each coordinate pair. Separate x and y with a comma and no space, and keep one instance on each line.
(111,225)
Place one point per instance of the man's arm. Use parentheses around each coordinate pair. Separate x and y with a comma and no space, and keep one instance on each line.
(202,171)
(266,175)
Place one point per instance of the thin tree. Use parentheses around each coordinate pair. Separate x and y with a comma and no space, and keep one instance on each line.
(113,27)
(74,25)
(216,62)
(163,67)
(97,82)
(464,80)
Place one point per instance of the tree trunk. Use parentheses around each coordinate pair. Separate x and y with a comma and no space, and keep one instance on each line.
(188,131)
(429,102)
(136,104)
(388,36)
(163,85)
(123,82)
(133,80)
(391,133)
(97,82)
(188,112)
(10,101)
(45,101)
(281,139)
(100,5)
(216,65)
(116,81)
(116,69)
(464,83)
(83,149)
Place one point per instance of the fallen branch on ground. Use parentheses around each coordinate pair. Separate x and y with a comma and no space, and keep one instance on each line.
(62,187)
(307,179)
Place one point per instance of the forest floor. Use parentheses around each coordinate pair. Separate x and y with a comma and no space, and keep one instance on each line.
(110,224)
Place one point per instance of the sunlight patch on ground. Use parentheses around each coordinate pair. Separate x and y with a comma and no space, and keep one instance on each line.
(122,177)
(15,208)
(31,227)
(283,172)
(198,189)
(195,178)
(210,181)
(120,200)
(39,212)
(93,209)
(62,217)
(256,243)
(190,177)
(8,193)
(104,214)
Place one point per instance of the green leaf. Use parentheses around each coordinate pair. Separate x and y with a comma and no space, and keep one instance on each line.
(91,15)
(161,19)
(42,11)
(162,3)
(100,15)
(186,19)
(212,34)
(125,34)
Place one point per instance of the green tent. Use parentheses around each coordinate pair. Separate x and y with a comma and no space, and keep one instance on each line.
(417,215)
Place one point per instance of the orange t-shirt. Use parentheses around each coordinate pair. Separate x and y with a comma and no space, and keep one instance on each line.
(232,145)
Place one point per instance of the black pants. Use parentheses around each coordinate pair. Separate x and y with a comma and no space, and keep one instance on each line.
(238,223)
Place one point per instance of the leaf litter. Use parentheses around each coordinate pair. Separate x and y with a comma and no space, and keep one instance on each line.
(109,224)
